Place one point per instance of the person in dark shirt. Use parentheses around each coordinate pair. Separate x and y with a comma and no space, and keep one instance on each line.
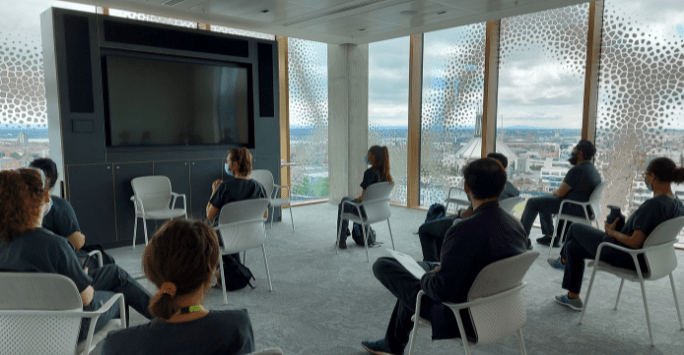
(578,184)
(378,159)
(583,241)
(28,247)
(432,233)
(180,260)
(61,218)
(489,234)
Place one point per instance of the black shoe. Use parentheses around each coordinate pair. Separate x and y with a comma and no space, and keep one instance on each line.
(546,240)
(343,244)
(529,244)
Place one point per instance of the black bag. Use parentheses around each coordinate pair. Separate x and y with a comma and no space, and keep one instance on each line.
(358,236)
(435,212)
(236,274)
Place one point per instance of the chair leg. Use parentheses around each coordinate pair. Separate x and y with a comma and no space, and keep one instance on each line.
(522,342)
(414,335)
(339,235)
(674,293)
(145,228)
(223,280)
(461,330)
(135,230)
(390,230)
(268,274)
(622,282)
(365,241)
(272,211)
(648,319)
(291,217)
(554,236)
(586,300)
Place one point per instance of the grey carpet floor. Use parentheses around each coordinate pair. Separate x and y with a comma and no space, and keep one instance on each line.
(324,303)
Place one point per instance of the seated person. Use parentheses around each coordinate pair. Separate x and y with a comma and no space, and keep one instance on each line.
(583,241)
(578,184)
(61,218)
(28,247)
(378,159)
(489,234)
(432,233)
(180,260)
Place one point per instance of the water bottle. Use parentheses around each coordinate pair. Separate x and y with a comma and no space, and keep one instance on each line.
(613,215)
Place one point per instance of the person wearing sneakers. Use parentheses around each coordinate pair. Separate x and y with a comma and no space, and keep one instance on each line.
(489,234)
(180,261)
(578,184)
(583,241)
(379,160)
(432,233)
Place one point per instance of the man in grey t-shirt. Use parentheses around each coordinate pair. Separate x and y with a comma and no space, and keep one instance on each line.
(579,183)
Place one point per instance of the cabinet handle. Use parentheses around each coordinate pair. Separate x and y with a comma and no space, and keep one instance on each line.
(109,167)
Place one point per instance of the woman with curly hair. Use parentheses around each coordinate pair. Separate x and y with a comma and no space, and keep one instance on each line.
(180,261)
(378,159)
(28,247)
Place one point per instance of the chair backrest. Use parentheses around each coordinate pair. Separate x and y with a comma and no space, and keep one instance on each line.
(662,261)
(376,201)
(38,334)
(509,203)
(595,198)
(503,316)
(154,192)
(265,178)
(241,225)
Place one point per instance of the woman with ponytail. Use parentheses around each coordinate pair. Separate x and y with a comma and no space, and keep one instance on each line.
(180,260)
(583,241)
(378,159)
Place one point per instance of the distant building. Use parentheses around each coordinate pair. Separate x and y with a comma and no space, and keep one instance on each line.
(553,177)
(23,139)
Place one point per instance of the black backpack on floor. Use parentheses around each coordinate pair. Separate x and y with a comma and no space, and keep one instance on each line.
(236,274)
(358,236)
(435,212)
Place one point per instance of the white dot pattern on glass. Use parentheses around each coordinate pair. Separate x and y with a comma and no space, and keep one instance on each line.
(239,32)
(38,335)
(152,18)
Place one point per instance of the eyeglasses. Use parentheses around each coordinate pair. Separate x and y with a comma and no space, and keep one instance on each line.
(644,175)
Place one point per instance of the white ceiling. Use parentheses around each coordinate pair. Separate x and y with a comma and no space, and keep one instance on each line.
(336,21)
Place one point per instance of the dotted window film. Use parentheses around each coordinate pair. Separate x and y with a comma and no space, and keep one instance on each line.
(453,89)
(542,68)
(641,96)
(239,32)
(388,90)
(308,85)
(152,18)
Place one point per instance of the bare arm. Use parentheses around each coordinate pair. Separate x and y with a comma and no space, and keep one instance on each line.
(634,241)
(562,190)
(211,210)
(77,240)
(87,295)
(362,193)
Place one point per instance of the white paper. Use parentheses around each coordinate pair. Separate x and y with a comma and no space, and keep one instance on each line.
(408,262)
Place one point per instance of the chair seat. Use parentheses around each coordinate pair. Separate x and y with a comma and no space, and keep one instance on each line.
(354,218)
(279,202)
(620,272)
(100,335)
(164,214)
(576,219)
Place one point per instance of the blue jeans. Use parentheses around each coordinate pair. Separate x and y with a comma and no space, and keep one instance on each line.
(345,223)
(107,281)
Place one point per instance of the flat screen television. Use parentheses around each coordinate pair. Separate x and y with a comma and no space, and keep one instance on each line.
(167,101)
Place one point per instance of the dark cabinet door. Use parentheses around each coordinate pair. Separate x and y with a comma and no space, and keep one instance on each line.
(125,211)
(202,174)
(90,191)
(179,174)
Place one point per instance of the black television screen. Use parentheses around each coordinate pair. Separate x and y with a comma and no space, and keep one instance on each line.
(169,102)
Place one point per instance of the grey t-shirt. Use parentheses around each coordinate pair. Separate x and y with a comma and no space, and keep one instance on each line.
(583,178)
(652,213)
(61,219)
(42,251)
(219,332)
(233,189)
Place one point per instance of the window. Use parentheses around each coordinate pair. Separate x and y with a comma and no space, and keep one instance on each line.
(23,113)
(640,103)
(152,18)
(451,118)
(308,84)
(388,87)
(541,94)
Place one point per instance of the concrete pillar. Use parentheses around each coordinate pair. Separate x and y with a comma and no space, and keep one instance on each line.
(347,118)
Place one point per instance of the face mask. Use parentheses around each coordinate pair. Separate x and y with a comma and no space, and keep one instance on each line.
(649,187)
(47,210)
(368,161)
(225,167)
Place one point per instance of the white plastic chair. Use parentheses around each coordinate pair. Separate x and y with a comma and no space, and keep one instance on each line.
(266,178)
(269,351)
(376,204)
(594,202)
(508,204)
(241,226)
(153,199)
(494,303)
(41,314)
(458,197)
(660,259)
